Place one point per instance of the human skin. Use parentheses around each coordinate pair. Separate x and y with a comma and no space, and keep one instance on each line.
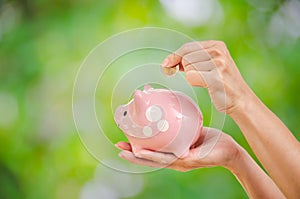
(209,64)
(226,152)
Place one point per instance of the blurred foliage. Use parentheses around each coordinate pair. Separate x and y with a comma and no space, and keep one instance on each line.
(42,44)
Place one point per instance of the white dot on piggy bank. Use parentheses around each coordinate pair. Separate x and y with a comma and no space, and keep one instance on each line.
(125,126)
(153,113)
(147,131)
(163,125)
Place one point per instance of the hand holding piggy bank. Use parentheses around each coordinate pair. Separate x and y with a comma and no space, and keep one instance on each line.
(160,120)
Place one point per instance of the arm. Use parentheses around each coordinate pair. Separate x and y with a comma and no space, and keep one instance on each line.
(225,152)
(208,64)
(254,180)
(274,145)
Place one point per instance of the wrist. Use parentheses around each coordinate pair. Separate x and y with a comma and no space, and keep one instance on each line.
(244,101)
(237,164)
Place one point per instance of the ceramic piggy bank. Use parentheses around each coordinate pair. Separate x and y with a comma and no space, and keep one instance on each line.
(160,120)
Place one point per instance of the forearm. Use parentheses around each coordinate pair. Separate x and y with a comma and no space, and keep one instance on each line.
(272,142)
(254,180)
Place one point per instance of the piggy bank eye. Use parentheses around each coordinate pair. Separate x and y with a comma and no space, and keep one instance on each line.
(125,113)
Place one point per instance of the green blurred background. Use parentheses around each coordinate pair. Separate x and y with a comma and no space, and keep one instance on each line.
(43,43)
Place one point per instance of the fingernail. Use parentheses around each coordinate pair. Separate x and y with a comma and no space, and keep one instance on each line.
(165,62)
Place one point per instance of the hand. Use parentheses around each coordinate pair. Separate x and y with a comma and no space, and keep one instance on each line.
(213,148)
(208,64)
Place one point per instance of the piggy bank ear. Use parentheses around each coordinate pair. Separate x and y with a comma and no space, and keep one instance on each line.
(139,101)
(139,98)
(147,87)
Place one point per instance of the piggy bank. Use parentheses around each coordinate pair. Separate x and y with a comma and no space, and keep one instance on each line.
(160,120)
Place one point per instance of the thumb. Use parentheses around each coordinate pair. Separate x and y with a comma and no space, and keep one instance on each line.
(171,60)
(211,138)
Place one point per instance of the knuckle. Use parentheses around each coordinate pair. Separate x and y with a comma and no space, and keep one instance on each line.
(215,52)
(220,62)
(215,43)
(220,43)
(187,47)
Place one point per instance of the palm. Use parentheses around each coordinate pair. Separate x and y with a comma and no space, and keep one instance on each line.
(213,148)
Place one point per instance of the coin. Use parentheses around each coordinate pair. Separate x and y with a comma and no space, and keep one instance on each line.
(170,71)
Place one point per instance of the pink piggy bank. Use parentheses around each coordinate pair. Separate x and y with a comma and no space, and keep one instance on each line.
(160,120)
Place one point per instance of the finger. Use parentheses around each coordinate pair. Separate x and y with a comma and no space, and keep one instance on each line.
(212,44)
(207,133)
(206,79)
(189,48)
(171,60)
(210,140)
(195,56)
(123,146)
(216,48)
(175,58)
(201,66)
(129,156)
(201,138)
(195,78)
(160,158)
(210,133)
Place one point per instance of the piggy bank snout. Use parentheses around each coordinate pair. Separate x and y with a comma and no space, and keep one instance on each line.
(120,112)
